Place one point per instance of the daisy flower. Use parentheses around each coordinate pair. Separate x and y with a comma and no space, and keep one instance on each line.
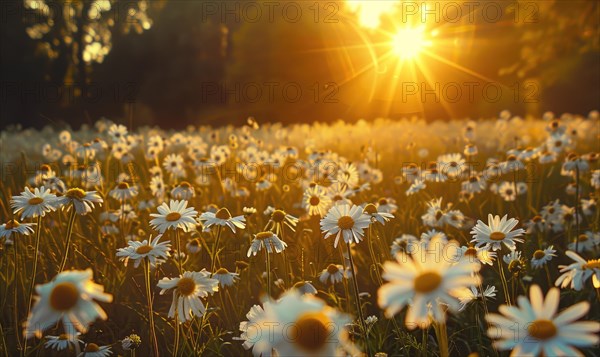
(497,231)
(131,342)
(333,274)
(480,255)
(222,217)
(13,226)
(585,242)
(452,164)
(473,294)
(123,191)
(137,251)
(183,191)
(434,217)
(387,205)
(319,330)
(305,287)
(82,201)
(405,243)
(225,277)
(62,342)
(279,219)
(541,257)
(187,291)
(577,273)
(426,282)
(315,200)
(475,184)
(266,240)
(377,216)
(415,187)
(34,204)
(345,221)
(93,350)
(533,328)
(69,298)
(117,132)
(173,216)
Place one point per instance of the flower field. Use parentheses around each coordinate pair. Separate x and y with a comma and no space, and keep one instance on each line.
(398,238)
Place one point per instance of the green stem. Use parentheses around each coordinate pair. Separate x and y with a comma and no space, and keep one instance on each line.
(215,251)
(151,330)
(357,298)
(34,272)
(68,243)
(178,242)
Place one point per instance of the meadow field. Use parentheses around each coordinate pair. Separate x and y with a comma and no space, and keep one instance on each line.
(384,237)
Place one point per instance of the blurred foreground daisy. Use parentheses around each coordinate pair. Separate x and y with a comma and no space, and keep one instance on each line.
(296,325)
(497,231)
(425,282)
(534,328)
(188,288)
(173,216)
(69,298)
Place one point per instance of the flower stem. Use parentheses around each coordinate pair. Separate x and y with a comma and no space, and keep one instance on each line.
(68,243)
(152,331)
(34,272)
(268,259)
(215,251)
(577,208)
(504,283)
(442,336)
(178,242)
(357,298)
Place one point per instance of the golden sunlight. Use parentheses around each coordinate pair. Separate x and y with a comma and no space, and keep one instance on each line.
(409,42)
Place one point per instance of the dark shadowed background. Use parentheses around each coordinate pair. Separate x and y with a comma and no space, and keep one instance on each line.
(174,63)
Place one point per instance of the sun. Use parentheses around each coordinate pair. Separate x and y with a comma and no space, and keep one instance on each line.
(408,42)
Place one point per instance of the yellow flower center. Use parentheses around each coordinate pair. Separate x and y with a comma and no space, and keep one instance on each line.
(582,238)
(592,264)
(314,201)
(173,216)
(45,168)
(185,184)
(64,296)
(313,331)
(382,202)
(497,236)
(223,213)
(35,200)
(370,209)
(278,215)
(12,224)
(75,193)
(123,185)
(144,249)
(186,286)
(539,254)
(537,219)
(332,269)
(63,336)
(222,271)
(92,347)
(264,235)
(542,329)
(345,222)
(427,282)
(471,252)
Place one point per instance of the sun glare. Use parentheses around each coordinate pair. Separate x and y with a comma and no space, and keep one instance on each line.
(409,42)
